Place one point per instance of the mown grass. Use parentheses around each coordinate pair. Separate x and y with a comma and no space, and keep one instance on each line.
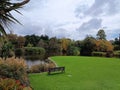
(82,73)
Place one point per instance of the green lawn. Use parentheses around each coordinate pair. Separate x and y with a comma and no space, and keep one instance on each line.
(82,73)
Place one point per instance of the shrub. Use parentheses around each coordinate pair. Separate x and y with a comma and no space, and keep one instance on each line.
(72,50)
(109,54)
(19,52)
(100,54)
(14,68)
(28,51)
(41,67)
(12,84)
(117,53)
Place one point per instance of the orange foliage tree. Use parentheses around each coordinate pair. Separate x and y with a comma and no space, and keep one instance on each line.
(103,46)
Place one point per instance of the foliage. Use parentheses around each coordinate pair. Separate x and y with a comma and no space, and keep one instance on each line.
(87,46)
(19,52)
(54,47)
(17,41)
(100,54)
(12,84)
(14,68)
(7,50)
(38,68)
(73,51)
(103,46)
(34,39)
(43,67)
(116,53)
(109,54)
(116,47)
(117,43)
(64,45)
(34,51)
(101,35)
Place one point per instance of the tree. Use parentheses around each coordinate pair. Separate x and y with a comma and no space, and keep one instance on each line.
(87,46)
(20,42)
(117,43)
(6,18)
(32,39)
(64,44)
(101,34)
(54,47)
(72,50)
(6,50)
(103,46)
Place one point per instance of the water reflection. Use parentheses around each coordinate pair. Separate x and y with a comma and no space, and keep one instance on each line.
(34,62)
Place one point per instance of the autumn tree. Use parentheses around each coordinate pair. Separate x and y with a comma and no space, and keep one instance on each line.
(64,44)
(103,46)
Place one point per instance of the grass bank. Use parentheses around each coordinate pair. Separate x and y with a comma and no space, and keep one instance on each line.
(82,73)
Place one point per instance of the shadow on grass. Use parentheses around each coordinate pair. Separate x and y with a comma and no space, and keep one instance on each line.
(55,73)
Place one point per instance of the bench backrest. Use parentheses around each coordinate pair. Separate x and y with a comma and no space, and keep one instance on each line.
(56,69)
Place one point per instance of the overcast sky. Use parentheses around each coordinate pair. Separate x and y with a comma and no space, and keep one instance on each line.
(69,18)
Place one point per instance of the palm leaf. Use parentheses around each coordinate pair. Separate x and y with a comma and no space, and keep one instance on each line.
(6,18)
(2,30)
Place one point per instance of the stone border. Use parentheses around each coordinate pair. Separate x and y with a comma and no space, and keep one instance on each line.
(53,61)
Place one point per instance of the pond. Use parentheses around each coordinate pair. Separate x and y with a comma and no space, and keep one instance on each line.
(34,62)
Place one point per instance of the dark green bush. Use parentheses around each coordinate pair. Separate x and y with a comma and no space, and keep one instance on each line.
(116,54)
(73,51)
(100,54)
(34,51)
(19,52)
(109,54)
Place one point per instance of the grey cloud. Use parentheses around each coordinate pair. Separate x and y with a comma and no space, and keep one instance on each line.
(34,4)
(27,29)
(58,32)
(100,7)
(80,10)
(91,24)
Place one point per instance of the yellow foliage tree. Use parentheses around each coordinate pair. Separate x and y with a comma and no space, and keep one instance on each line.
(103,46)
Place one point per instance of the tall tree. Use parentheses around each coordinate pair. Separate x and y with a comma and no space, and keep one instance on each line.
(6,18)
(64,44)
(117,43)
(87,46)
(101,35)
(54,47)
(32,39)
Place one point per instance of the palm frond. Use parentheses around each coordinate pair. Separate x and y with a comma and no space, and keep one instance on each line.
(2,30)
(6,18)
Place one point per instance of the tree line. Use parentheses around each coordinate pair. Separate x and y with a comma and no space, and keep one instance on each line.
(97,46)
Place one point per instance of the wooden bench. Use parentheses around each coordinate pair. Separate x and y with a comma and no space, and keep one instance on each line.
(56,69)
